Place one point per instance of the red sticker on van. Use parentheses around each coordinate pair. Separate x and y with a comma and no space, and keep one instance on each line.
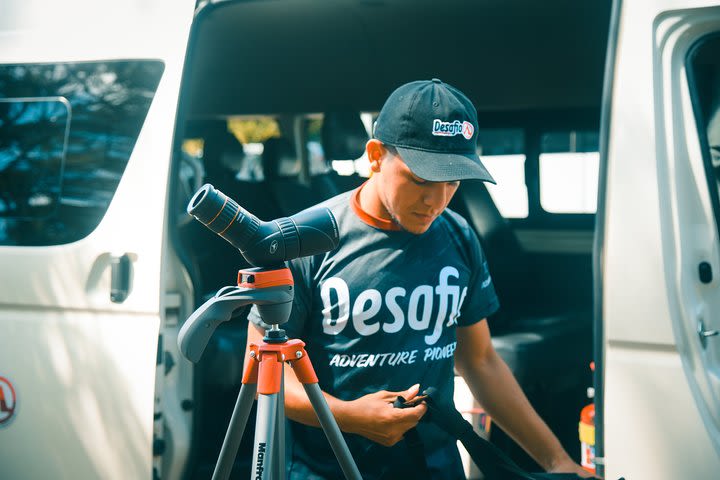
(7,400)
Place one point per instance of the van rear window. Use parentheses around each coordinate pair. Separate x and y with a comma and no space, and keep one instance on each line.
(66,134)
(569,164)
(502,150)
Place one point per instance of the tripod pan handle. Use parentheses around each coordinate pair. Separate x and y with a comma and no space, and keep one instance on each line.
(199,327)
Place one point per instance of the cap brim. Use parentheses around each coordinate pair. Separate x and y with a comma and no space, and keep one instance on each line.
(444,167)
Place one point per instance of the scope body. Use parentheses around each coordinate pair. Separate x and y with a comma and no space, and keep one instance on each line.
(265,244)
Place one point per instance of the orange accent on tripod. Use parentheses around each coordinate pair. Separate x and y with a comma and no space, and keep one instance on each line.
(265,365)
(269,374)
(264,279)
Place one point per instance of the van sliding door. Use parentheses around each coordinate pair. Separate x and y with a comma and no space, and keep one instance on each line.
(661,261)
(88,92)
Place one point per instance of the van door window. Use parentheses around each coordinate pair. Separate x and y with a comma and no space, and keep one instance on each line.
(66,134)
(502,151)
(569,164)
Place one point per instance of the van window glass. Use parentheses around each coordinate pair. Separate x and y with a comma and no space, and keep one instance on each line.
(569,163)
(191,174)
(251,133)
(353,162)
(67,131)
(316,155)
(31,165)
(502,151)
(704,82)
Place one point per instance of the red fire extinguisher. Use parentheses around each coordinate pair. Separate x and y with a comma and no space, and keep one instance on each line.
(586,430)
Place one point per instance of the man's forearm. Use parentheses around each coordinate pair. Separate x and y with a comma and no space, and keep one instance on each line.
(299,408)
(371,416)
(495,387)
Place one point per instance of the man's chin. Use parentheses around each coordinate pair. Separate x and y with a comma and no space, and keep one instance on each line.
(414,228)
(411,224)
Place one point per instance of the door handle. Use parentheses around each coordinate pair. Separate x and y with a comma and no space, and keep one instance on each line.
(705,334)
(120,276)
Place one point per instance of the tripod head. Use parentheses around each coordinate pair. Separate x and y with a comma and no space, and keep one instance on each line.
(267,245)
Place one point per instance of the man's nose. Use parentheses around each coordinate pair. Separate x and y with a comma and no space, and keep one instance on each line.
(436,195)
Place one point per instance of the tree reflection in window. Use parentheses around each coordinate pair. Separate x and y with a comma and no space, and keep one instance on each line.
(55,190)
(32,148)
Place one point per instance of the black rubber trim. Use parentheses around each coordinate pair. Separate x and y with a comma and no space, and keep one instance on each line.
(599,240)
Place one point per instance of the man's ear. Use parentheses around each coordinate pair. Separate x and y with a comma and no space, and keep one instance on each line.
(375,153)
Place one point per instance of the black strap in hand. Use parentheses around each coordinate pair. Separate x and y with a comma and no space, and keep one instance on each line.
(491,460)
(414,443)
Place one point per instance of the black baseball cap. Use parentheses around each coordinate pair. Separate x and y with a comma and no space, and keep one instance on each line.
(433,126)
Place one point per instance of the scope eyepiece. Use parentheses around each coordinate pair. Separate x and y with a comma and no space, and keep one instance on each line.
(306,233)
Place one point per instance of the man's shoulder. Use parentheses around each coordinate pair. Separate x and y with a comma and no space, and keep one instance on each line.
(456,217)
(462,235)
(456,223)
(337,204)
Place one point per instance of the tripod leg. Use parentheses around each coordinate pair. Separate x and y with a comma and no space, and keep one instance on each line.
(332,431)
(264,431)
(235,431)
(279,463)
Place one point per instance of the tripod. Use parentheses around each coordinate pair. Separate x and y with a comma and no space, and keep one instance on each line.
(272,291)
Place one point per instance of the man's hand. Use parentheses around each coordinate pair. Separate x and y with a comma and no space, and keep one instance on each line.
(373,416)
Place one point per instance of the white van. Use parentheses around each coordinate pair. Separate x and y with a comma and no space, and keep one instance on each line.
(602,234)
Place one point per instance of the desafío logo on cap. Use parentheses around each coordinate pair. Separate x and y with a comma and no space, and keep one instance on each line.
(8,400)
(450,129)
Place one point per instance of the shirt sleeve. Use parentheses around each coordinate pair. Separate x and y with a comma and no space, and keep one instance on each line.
(480,300)
(300,269)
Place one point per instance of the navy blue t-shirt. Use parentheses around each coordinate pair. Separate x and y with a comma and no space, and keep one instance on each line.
(379,313)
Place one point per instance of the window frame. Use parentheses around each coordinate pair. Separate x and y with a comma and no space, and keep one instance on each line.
(540,153)
(534,124)
(484,158)
(78,109)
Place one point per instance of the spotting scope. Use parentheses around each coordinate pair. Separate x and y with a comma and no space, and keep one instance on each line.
(265,244)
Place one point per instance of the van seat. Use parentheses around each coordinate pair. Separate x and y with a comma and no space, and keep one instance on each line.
(547,350)
(214,260)
(223,156)
(281,167)
(343,137)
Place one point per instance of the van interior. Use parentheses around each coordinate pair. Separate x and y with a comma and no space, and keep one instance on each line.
(278,100)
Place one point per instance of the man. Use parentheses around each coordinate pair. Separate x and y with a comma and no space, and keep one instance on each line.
(403,300)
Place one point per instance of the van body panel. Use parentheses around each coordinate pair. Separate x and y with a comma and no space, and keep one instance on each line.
(651,427)
(85,380)
(661,398)
(632,206)
(83,366)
